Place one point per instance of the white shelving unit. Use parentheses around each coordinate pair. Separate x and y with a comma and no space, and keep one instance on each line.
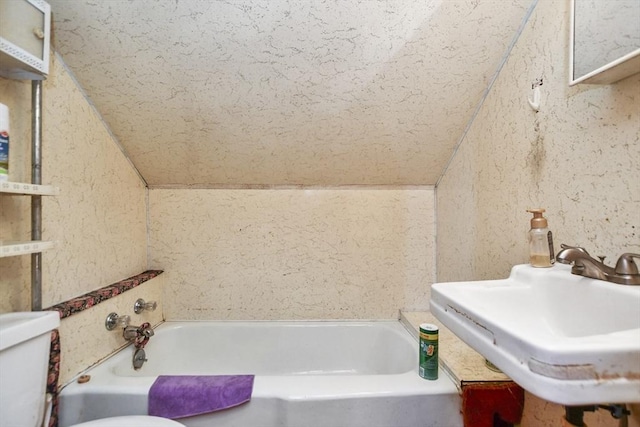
(25,189)
(20,66)
(13,248)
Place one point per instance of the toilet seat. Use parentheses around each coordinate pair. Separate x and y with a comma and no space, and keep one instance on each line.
(131,421)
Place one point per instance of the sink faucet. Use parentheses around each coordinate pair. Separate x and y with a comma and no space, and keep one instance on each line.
(625,272)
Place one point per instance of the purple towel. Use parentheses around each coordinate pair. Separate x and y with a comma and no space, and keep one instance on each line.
(179,396)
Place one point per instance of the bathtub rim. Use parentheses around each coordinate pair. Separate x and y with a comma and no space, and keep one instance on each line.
(164,322)
(290,388)
(283,386)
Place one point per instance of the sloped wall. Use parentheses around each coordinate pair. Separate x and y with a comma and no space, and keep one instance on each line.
(577,157)
(99,218)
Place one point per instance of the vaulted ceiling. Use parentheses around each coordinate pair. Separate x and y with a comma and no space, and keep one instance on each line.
(286,92)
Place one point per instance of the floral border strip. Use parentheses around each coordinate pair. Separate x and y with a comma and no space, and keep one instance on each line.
(88,300)
(54,374)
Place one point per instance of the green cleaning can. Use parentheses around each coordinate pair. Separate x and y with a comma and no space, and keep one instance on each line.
(428,368)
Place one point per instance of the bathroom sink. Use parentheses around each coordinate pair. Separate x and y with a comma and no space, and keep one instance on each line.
(568,339)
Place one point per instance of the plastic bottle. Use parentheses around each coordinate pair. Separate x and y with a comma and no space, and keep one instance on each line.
(541,252)
(4,143)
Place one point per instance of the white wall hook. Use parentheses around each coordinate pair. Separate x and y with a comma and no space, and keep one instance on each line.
(535,102)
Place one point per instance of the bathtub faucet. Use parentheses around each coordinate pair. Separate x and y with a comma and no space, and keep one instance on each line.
(139,335)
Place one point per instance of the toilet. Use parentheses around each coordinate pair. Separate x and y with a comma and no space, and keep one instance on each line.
(132,420)
(25,338)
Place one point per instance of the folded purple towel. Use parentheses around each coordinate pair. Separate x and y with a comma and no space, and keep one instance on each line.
(179,396)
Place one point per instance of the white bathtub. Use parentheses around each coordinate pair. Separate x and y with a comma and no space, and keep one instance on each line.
(325,374)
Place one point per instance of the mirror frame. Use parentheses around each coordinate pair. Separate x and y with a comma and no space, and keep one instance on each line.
(618,69)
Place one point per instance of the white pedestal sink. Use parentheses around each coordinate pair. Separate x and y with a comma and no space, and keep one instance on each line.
(568,339)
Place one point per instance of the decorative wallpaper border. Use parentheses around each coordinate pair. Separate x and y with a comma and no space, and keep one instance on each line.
(76,305)
(88,300)
(54,374)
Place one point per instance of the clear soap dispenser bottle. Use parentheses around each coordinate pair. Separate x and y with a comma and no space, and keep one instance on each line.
(541,252)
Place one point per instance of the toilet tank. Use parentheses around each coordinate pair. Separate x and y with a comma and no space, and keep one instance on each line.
(25,339)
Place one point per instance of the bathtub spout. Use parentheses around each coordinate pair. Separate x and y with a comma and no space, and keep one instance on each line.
(137,333)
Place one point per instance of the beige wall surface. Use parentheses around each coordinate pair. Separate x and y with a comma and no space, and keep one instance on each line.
(293,254)
(99,218)
(578,157)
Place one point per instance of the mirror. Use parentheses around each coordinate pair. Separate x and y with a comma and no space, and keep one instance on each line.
(605,40)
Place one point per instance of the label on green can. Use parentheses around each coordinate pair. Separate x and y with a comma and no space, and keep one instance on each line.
(428,368)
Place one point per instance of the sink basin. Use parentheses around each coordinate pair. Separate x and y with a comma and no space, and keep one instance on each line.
(568,339)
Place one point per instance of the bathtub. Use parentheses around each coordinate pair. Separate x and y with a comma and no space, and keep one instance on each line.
(307,373)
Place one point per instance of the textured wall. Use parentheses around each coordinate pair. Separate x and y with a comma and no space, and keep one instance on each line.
(99,218)
(578,157)
(293,254)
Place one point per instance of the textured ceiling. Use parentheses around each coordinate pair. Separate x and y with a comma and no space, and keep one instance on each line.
(286,92)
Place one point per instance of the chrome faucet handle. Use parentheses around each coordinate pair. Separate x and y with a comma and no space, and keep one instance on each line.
(113,320)
(140,306)
(626,264)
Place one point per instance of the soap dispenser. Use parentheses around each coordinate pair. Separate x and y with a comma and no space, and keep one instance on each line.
(541,252)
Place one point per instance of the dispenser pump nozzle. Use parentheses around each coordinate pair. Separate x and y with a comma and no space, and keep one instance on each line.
(538,221)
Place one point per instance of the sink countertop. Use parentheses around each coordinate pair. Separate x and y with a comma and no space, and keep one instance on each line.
(463,363)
